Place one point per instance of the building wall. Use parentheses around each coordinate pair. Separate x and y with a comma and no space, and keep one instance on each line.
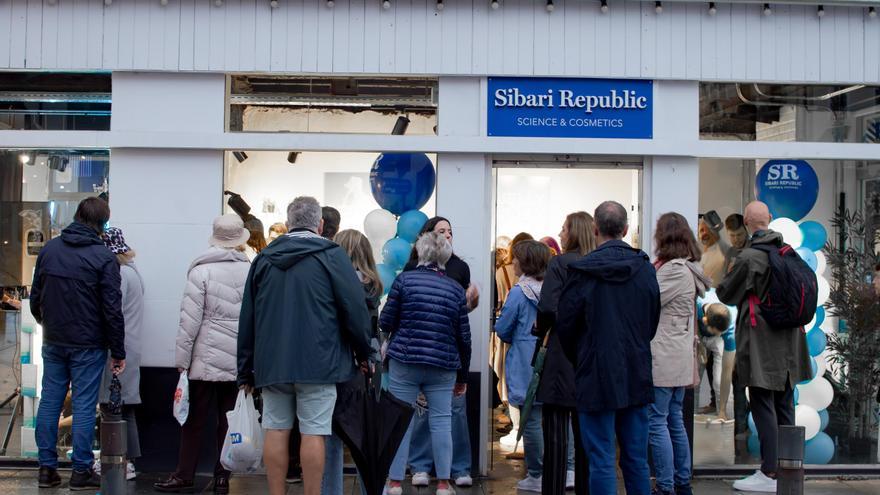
(466,38)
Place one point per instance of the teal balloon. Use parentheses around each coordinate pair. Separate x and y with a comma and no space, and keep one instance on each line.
(797,395)
(752,427)
(410,224)
(820,316)
(387,274)
(754,445)
(808,256)
(395,253)
(819,449)
(815,235)
(824,418)
(816,341)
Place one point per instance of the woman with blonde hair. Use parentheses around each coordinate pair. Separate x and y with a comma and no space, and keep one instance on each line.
(276,230)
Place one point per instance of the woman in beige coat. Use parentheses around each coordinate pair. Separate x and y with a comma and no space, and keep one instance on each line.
(681,280)
(207,346)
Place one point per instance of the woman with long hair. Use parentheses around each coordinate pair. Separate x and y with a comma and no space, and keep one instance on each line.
(681,281)
(562,440)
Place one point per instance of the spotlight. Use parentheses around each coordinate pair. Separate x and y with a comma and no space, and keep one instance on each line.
(820,11)
(550,6)
(241,156)
(712,9)
(58,163)
(604,7)
(24,158)
(386,4)
(400,126)
(273,4)
(872,12)
(767,9)
(658,7)
(494,4)
(292,156)
(439,4)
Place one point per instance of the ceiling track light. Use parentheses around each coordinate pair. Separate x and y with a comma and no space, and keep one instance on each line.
(386,4)
(712,8)
(872,12)
(658,7)
(604,6)
(767,9)
(550,6)
(241,156)
(495,4)
(820,11)
(292,156)
(439,4)
(400,126)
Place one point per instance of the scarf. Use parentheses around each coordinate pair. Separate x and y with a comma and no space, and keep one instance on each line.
(531,288)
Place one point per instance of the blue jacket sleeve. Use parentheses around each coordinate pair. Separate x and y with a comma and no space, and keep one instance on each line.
(505,326)
(464,342)
(111,306)
(246,323)
(389,321)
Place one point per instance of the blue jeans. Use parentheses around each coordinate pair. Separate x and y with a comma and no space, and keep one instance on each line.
(420,455)
(670,449)
(80,370)
(333,480)
(601,432)
(405,382)
(533,442)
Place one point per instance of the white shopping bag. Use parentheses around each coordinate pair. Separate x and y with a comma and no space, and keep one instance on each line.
(243,447)
(181,399)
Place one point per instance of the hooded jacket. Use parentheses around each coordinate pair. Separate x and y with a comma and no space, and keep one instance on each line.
(514,326)
(208,331)
(606,317)
(76,292)
(673,347)
(303,314)
(766,357)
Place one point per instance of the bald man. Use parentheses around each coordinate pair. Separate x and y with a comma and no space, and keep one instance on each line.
(770,361)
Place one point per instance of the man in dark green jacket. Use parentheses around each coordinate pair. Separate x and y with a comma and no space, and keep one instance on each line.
(769,361)
(304,325)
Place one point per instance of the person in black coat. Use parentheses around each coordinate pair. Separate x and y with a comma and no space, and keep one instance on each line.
(607,315)
(556,389)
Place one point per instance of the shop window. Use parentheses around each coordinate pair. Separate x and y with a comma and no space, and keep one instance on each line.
(55,102)
(784,112)
(804,196)
(263,103)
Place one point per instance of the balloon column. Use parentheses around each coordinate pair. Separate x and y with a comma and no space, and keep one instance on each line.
(401,183)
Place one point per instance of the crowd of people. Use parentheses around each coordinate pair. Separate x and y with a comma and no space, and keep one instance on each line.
(296,313)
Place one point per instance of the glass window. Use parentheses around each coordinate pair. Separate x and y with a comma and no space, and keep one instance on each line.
(55,102)
(785,112)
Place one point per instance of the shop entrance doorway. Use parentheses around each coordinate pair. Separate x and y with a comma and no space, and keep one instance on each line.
(533,195)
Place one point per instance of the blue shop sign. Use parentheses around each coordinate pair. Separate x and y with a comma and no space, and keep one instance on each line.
(572,108)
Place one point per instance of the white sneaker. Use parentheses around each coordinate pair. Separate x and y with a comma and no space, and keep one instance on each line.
(421,479)
(508,440)
(130,474)
(445,491)
(464,480)
(96,467)
(392,490)
(530,484)
(758,482)
(569,480)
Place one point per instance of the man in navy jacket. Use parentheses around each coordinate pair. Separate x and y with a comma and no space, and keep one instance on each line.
(76,297)
(607,315)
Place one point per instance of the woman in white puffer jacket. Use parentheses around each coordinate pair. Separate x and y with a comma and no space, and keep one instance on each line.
(207,345)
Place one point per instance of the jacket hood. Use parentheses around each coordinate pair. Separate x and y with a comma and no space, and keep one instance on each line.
(768,237)
(217,255)
(79,234)
(614,261)
(288,250)
(531,288)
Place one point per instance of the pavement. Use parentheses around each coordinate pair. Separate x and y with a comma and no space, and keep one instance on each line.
(25,482)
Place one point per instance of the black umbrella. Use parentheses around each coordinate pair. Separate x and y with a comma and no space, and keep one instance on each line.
(372,423)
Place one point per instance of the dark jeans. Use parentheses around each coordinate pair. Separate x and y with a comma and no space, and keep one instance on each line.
(205,398)
(771,409)
(556,422)
(602,432)
(79,370)
(740,405)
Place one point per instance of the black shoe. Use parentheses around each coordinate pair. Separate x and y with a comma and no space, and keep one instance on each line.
(221,485)
(174,485)
(84,480)
(49,477)
(684,490)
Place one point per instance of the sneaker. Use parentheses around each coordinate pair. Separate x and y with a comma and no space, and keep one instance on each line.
(84,480)
(509,440)
(130,473)
(394,489)
(446,490)
(684,490)
(530,484)
(421,479)
(48,477)
(758,482)
(96,466)
(464,480)
(569,480)
(658,491)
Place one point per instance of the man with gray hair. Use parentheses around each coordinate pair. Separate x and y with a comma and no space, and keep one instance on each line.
(304,325)
(606,318)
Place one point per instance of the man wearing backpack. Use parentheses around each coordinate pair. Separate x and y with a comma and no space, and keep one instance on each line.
(771,346)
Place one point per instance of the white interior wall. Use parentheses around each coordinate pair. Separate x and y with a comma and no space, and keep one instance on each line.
(332,120)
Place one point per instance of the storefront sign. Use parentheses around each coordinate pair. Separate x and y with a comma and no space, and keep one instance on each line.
(578,108)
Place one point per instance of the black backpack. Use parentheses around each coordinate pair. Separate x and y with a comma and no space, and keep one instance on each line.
(791,298)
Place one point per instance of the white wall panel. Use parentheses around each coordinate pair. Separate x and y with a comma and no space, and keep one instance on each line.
(466,38)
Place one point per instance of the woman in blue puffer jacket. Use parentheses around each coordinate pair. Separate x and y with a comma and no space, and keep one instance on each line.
(429,351)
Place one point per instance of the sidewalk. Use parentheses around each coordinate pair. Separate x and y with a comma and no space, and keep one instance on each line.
(25,482)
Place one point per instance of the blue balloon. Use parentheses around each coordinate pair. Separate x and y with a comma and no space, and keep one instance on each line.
(402,181)
(797,395)
(824,419)
(387,274)
(815,235)
(410,224)
(820,316)
(754,445)
(808,256)
(816,341)
(788,187)
(752,427)
(395,253)
(819,449)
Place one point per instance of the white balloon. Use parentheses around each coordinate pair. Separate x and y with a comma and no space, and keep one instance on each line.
(821,263)
(807,417)
(380,226)
(791,232)
(829,325)
(824,290)
(817,393)
(821,365)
